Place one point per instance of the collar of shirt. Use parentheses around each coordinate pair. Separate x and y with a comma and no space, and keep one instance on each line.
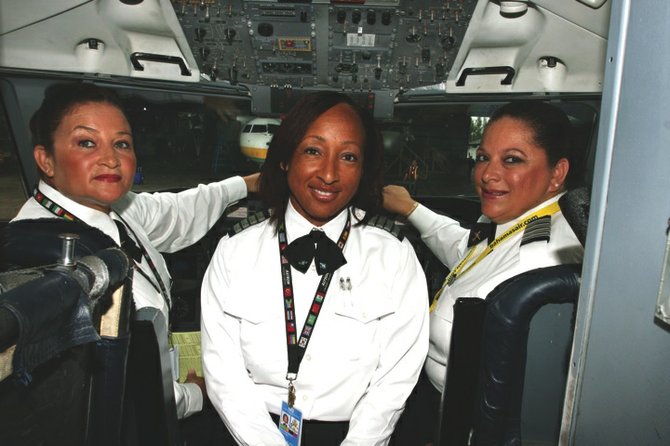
(297,225)
(500,229)
(88,215)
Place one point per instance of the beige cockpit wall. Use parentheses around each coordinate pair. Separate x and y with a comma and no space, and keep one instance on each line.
(374,50)
(97,37)
(544,46)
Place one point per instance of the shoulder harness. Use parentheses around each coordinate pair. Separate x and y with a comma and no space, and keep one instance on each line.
(248,222)
(388,225)
(537,230)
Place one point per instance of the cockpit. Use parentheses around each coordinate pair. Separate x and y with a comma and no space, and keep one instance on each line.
(206,83)
(196,73)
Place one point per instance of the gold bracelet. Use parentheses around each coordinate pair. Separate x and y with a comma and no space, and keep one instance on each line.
(414,206)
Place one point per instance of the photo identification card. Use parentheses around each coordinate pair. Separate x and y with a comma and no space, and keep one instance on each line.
(290,424)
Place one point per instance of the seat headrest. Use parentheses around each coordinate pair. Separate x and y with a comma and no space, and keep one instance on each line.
(575,207)
(35,242)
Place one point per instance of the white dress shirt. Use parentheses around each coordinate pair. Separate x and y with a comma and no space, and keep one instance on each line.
(365,353)
(162,222)
(448,241)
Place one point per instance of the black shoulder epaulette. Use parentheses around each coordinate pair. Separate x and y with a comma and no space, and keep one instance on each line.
(537,230)
(385,223)
(248,222)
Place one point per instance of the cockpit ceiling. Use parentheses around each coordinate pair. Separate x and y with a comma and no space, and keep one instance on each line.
(378,47)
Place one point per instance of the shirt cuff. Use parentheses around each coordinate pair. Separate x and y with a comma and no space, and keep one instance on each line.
(237,188)
(191,401)
(422,218)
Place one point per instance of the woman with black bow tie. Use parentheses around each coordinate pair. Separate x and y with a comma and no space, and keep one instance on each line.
(314,312)
(520,173)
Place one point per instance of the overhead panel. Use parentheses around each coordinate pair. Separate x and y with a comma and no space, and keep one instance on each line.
(349,45)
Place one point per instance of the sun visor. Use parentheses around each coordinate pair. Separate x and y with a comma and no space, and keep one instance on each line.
(531,50)
(106,37)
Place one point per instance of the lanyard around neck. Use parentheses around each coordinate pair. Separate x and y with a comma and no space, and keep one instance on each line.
(465,265)
(297,347)
(61,212)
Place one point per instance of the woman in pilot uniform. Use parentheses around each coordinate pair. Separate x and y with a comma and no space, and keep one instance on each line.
(315,312)
(86,159)
(520,173)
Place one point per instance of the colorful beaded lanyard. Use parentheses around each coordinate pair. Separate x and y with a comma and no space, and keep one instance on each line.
(297,347)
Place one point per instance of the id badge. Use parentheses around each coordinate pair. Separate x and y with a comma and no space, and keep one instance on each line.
(290,424)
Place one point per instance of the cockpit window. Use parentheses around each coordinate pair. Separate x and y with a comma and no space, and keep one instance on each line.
(430,147)
(12,195)
(182,140)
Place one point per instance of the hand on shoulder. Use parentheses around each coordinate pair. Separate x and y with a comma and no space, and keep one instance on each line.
(398,200)
(252,182)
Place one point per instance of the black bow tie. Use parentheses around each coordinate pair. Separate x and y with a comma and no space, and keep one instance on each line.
(482,231)
(128,246)
(315,245)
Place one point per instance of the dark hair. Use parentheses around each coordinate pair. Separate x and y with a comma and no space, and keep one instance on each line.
(274,188)
(59,100)
(551,129)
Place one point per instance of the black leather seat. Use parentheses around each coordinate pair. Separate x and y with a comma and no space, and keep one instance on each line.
(487,362)
(84,390)
(58,366)
(150,411)
(483,400)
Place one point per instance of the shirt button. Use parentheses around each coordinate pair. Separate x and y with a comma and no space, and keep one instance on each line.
(305,397)
(365,315)
(308,357)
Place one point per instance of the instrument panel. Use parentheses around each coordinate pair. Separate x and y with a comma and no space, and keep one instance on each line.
(371,48)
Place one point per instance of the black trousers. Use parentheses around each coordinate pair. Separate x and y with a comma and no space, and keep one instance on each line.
(321,433)
(198,432)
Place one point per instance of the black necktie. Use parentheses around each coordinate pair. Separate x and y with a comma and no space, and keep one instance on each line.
(482,231)
(315,245)
(128,246)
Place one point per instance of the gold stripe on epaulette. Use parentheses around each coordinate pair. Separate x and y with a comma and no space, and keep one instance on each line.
(248,222)
(387,224)
(537,230)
